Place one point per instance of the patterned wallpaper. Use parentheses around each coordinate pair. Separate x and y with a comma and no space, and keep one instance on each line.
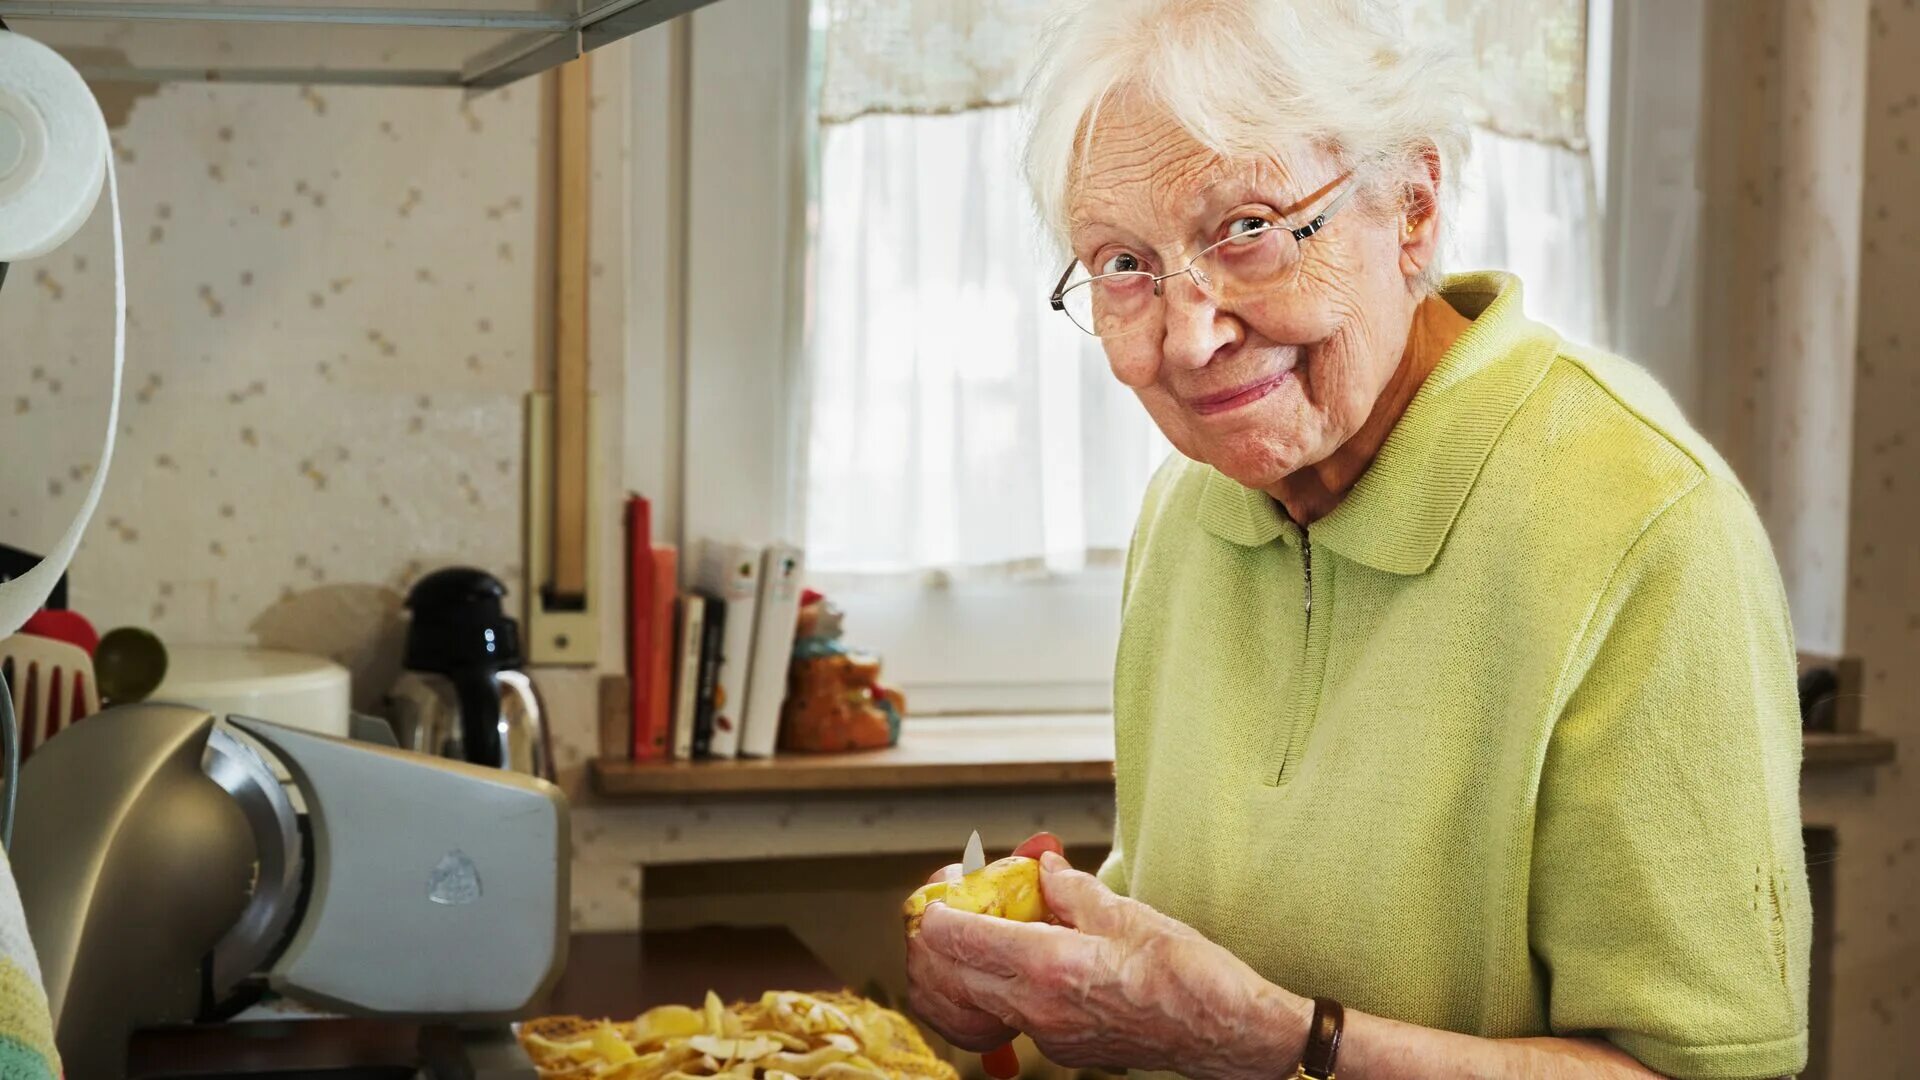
(333,324)
(1879,871)
(1780,298)
(1806,391)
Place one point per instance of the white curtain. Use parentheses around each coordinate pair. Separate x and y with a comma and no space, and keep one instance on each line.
(957,426)
(958,423)
(942,56)
(1528,207)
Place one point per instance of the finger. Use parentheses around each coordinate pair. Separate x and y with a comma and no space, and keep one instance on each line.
(988,944)
(1001,998)
(1079,899)
(938,995)
(1040,842)
(949,872)
(963,1026)
(960,1025)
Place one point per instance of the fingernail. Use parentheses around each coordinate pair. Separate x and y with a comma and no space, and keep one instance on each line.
(1052,860)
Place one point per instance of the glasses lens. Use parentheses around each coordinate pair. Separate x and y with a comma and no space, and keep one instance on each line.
(1250,264)
(1112,305)
(1079,301)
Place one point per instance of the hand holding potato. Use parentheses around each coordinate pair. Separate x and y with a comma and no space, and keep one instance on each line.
(1115,985)
(963,1026)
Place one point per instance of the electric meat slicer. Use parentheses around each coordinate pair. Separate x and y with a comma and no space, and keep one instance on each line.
(176,868)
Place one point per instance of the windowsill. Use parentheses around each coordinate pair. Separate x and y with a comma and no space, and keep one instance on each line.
(1063,751)
(983,753)
(1830,750)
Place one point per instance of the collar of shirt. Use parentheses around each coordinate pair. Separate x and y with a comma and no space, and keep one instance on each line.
(1398,515)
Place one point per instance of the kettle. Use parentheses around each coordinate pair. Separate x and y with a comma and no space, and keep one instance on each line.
(463,695)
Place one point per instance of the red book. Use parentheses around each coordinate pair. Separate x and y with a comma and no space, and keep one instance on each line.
(640,618)
(657,733)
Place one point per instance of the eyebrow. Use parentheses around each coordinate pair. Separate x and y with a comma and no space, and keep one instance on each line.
(1251,192)
(1247,189)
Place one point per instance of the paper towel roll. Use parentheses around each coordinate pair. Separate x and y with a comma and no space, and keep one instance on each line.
(22,596)
(53,149)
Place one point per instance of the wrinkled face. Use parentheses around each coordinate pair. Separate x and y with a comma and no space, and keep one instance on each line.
(1258,386)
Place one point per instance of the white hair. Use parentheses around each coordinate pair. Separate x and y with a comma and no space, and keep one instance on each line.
(1244,77)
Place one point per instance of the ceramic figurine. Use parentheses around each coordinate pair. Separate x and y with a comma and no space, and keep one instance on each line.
(834,697)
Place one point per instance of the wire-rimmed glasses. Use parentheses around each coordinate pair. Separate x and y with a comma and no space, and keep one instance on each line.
(1236,266)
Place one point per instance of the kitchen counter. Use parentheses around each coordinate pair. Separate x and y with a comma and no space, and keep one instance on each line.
(608,974)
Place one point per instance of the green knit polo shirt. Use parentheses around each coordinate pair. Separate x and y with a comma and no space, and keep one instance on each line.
(1506,744)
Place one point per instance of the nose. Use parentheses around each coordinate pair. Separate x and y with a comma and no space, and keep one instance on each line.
(1196,329)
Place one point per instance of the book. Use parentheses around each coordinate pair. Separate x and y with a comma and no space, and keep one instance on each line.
(616,728)
(781,574)
(713,644)
(650,733)
(731,572)
(640,616)
(686,687)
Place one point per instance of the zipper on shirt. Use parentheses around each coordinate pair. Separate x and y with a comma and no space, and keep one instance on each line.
(1306,560)
(1304,704)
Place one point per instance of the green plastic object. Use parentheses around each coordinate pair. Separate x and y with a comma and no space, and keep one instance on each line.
(129,664)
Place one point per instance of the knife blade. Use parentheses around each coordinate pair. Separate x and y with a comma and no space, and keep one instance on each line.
(1001,1062)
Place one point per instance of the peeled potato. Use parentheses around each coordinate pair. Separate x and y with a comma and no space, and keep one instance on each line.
(1006,888)
(664,1022)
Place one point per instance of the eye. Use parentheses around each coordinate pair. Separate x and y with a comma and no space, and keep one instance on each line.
(1247,226)
(1126,262)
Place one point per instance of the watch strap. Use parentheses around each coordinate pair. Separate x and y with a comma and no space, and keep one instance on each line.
(1323,1040)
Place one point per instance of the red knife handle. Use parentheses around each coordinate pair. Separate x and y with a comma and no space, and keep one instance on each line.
(1001,1062)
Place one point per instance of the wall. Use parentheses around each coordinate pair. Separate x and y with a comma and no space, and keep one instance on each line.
(1786,90)
(1877,1002)
(333,324)
(1807,333)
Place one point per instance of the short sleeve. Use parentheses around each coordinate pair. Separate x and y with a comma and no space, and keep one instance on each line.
(1669,905)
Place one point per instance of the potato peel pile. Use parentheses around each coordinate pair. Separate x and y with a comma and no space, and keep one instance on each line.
(786,1035)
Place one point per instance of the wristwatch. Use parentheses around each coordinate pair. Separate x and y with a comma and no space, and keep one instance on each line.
(1323,1040)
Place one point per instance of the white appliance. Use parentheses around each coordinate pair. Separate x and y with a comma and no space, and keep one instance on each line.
(292,689)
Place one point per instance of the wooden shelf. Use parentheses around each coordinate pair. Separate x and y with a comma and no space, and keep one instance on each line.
(984,753)
(1827,750)
(935,753)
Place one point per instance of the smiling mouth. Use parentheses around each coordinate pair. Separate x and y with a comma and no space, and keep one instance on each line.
(1229,400)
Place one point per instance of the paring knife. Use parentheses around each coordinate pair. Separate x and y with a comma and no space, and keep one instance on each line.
(975,857)
(1001,1062)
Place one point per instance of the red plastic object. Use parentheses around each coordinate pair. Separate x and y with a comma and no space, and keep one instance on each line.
(68,626)
(1001,1062)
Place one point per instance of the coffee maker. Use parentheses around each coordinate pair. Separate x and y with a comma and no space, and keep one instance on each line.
(463,694)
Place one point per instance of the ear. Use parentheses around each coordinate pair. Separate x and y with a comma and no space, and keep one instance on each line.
(1420,216)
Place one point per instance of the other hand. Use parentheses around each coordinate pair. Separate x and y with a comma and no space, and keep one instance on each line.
(1117,985)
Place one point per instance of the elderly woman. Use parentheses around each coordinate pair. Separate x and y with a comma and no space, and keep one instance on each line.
(1455,685)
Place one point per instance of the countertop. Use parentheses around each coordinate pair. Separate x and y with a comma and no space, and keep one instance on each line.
(613,974)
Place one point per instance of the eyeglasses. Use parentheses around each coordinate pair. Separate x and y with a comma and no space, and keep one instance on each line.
(1233,268)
